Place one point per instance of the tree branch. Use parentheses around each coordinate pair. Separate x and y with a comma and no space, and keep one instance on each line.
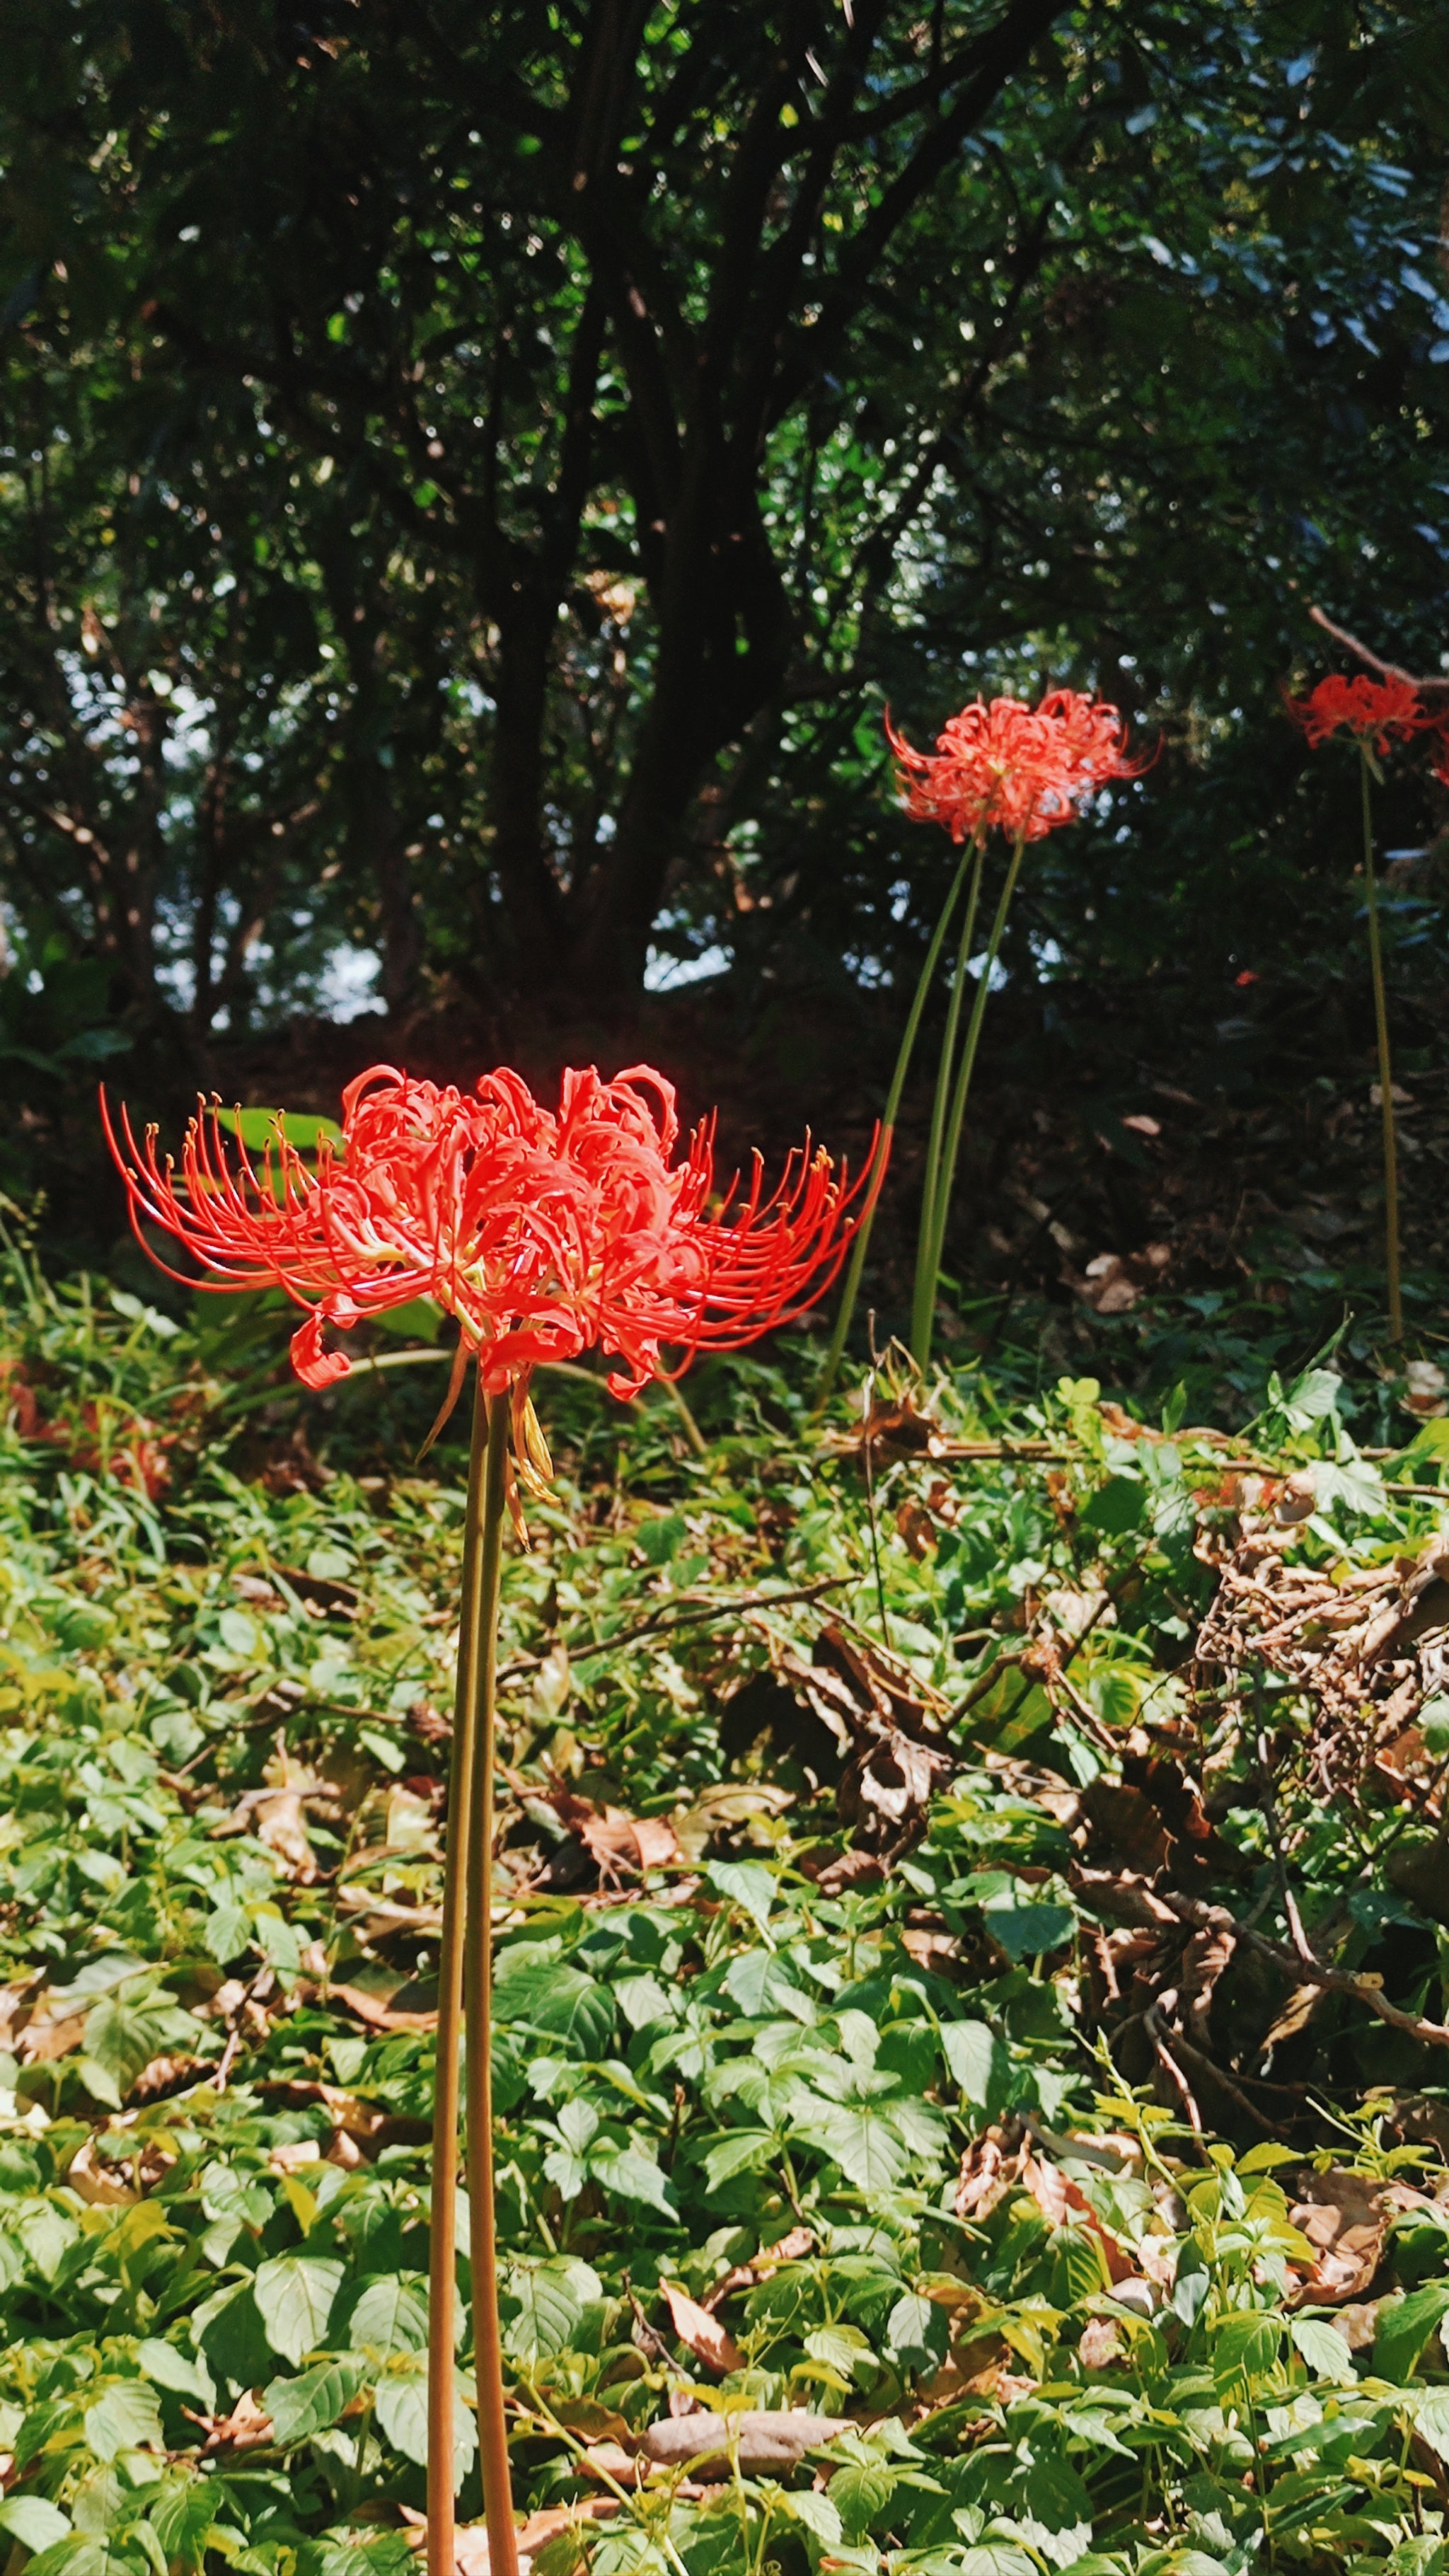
(1386,670)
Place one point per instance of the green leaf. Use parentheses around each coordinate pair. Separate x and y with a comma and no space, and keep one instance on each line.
(231,2334)
(1311,1398)
(294,2295)
(169,2367)
(1323,2348)
(1116,1507)
(643,2000)
(239,1634)
(633,2177)
(227,1933)
(402,2414)
(552,2297)
(1245,2346)
(817,2514)
(123,2034)
(1024,1931)
(916,2333)
(308,2404)
(1431,2420)
(860,2493)
(390,2313)
(859,2139)
(1404,2327)
(840,2348)
(547,1996)
(996,2558)
(258,1128)
(183,2517)
(126,2418)
(33,2521)
(737,2151)
(980,2065)
(744,1883)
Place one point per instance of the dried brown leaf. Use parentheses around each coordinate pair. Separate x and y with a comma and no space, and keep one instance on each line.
(703,2334)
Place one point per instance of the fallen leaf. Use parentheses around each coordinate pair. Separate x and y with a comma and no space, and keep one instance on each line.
(294,2154)
(1061,2201)
(615,1841)
(1345,2217)
(165,2075)
(886,1791)
(103,2185)
(743,2276)
(388,1999)
(470,2544)
(246,2425)
(45,2037)
(1101,2343)
(705,2337)
(1426,1383)
(768,2443)
(990,2167)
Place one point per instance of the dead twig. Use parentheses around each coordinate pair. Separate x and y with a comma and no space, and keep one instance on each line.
(1153,2027)
(660,1624)
(1342,1981)
(1375,661)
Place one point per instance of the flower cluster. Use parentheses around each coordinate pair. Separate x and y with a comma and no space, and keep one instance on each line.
(1376,712)
(544,1234)
(1013,768)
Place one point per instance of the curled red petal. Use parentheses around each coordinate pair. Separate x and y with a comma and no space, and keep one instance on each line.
(315,1366)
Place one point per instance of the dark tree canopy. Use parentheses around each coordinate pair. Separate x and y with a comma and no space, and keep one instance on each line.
(472,479)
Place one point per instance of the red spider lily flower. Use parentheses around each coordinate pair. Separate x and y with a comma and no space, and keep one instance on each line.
(544,1234)
(1013,768)
(1376,712)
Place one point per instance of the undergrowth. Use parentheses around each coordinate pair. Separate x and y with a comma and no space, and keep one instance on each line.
(950,2003)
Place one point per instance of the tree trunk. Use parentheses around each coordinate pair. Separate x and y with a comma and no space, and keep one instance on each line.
(721,591)
(531,892)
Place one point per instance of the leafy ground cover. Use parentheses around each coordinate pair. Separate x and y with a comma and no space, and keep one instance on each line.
(971,1991)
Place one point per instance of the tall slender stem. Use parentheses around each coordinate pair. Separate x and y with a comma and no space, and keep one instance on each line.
(1386,1079)
(946,1180)
(931,1182)
(851,1291)
(442,2267)
(478,1993)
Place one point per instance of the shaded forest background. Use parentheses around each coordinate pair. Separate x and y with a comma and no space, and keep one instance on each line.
(472,482)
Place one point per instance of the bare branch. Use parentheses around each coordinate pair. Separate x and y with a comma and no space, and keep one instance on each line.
(1386,670)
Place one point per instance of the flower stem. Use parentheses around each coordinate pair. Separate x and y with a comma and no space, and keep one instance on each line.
(931,1180)
(442,2274)
(926,1286)
(478,1989)
(1386,1079)
(851,1290)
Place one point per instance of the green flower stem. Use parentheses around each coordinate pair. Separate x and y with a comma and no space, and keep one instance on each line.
(478,2053)
(1386,1079)
(931,1180)
(926,1287)
(861,1245)
(442,2265)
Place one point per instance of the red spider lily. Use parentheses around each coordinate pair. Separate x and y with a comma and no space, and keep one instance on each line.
(1013,768)
(1376,712)
(546,1235)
